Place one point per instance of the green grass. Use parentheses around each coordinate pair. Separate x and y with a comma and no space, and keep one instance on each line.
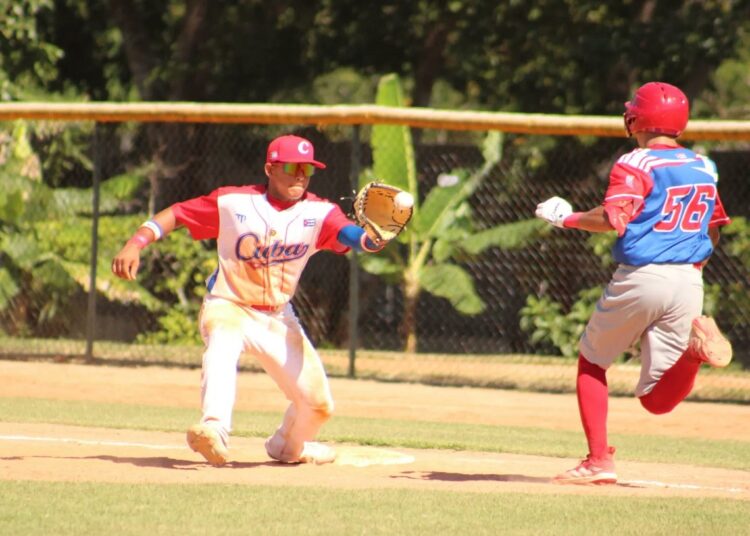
(32,508)
(63,508)
(395,433)
(516,371)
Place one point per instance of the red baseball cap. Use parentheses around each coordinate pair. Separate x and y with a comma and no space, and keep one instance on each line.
(292,149)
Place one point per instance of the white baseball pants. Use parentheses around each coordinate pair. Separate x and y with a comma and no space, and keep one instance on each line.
(279,343)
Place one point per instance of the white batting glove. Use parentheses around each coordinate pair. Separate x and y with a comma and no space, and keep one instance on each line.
(554,210)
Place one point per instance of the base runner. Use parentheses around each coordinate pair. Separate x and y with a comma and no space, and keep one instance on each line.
(664,205)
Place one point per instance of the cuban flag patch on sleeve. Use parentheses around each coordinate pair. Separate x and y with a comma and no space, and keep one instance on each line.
(310,222)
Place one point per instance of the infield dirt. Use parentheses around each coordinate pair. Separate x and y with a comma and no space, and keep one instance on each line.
(68,453)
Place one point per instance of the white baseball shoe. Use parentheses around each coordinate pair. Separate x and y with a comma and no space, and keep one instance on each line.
(317,453)
(708,344)
(207,441)
(312,452)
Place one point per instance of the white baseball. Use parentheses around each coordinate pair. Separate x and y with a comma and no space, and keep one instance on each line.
(403,200)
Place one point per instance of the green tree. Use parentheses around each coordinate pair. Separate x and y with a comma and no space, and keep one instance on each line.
(728,94)
(45,252)
(44,258)
(569,57)
(27,60)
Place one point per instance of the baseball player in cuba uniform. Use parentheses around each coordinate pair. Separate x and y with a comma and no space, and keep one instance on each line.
(663,202)
(265,235)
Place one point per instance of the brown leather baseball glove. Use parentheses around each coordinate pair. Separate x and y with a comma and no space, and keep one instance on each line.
(383,211)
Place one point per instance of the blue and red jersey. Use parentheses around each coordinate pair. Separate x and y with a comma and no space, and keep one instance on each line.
(662,201)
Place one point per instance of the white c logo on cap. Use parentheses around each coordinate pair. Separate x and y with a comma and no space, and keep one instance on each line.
(303,147)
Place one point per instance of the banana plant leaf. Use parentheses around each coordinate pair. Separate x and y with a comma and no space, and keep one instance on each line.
(506,236)
(109,285)
(439,208)
(392,145)
(383,266)
(8,288)
(23,199)
(447,201)
(24,249)
(113,192)
(453,283)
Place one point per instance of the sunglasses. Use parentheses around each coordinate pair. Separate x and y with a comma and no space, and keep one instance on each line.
(292,168)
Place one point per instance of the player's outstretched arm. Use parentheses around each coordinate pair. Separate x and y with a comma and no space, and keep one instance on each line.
(558,212)
(353,236)
(126,262)
(595,220)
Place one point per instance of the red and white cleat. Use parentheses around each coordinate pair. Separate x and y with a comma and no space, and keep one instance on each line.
(708,344)
(590,471)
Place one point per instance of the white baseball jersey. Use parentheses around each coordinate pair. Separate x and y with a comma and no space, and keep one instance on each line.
(263,245)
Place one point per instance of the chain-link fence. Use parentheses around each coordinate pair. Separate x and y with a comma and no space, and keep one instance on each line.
(76,191)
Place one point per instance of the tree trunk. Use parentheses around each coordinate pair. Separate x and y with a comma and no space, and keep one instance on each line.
(430,63)
(169,143)
(411,291)
(428,67)
(185,85)
(138,53)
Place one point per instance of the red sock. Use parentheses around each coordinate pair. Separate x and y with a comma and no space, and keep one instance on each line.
(674,385)
(593,399)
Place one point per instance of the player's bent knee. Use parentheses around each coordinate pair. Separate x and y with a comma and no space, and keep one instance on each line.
(654,406)
(323,413)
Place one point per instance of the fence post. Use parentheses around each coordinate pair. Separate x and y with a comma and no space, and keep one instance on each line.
(91,311)
(353,264)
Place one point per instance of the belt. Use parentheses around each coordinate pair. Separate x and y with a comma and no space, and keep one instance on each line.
(267,308)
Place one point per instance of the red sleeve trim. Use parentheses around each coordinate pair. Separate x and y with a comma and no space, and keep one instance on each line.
(571,222)
(719,218)
(334,221)
(200,215)
(627,190)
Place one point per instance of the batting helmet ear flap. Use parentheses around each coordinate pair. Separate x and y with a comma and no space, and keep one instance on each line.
(657,107)
(628,119)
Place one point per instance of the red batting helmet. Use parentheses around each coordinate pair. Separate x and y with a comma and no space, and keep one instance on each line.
(657,107)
